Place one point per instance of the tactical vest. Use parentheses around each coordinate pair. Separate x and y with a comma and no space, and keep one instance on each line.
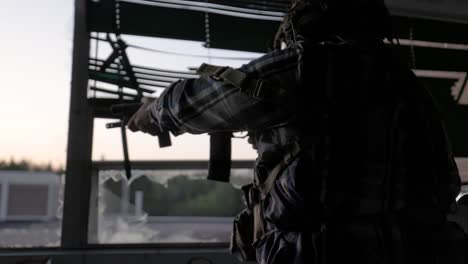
(370,137)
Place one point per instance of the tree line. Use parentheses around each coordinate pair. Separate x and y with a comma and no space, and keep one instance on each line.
(27,165)
(183,196)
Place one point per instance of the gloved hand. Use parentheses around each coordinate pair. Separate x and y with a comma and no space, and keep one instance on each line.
(142,120)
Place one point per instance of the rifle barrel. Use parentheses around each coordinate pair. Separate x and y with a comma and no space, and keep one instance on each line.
(114,125)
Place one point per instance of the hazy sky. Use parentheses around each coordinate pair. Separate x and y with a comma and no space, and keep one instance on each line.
(35,52)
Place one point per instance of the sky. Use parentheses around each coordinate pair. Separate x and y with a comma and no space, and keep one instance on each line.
(35,51)
(35,48)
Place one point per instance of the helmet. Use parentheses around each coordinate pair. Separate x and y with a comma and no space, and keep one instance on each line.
(302,12)
(319,20)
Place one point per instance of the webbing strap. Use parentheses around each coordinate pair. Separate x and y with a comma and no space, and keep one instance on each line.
(259,225)
(257,195)
(289,157)
(251,86)
(210,70)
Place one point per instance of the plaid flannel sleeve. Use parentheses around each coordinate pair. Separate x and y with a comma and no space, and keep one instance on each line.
(206,104)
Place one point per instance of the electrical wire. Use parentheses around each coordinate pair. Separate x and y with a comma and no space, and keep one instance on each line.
(228,11)
(184,54)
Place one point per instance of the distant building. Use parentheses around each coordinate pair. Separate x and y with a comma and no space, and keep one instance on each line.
(462,164)
(28,196)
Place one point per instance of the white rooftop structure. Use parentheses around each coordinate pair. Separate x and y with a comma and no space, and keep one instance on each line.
(28,196)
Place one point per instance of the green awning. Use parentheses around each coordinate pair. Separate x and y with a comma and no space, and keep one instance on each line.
(244,29)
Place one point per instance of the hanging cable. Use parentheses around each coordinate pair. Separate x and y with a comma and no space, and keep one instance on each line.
(117,18)
(207,36)
(118,48)
(96,48)
(412,49)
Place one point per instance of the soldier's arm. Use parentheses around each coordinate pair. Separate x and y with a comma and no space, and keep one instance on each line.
(211,103)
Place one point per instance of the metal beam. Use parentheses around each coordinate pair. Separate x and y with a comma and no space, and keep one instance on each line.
(93,225)
(80,135)
(168,165)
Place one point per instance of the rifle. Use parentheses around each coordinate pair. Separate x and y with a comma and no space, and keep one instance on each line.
(124,111)
(220,144)
(128,110)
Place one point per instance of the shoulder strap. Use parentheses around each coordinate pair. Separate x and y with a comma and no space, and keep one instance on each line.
(251,86)
(259,193)
(289,157)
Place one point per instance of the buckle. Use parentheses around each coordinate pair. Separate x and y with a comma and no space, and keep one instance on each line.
(292,153)
(216,75)
(254,196)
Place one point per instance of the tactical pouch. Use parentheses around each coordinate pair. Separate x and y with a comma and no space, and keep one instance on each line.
(242,238)
(249,226)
